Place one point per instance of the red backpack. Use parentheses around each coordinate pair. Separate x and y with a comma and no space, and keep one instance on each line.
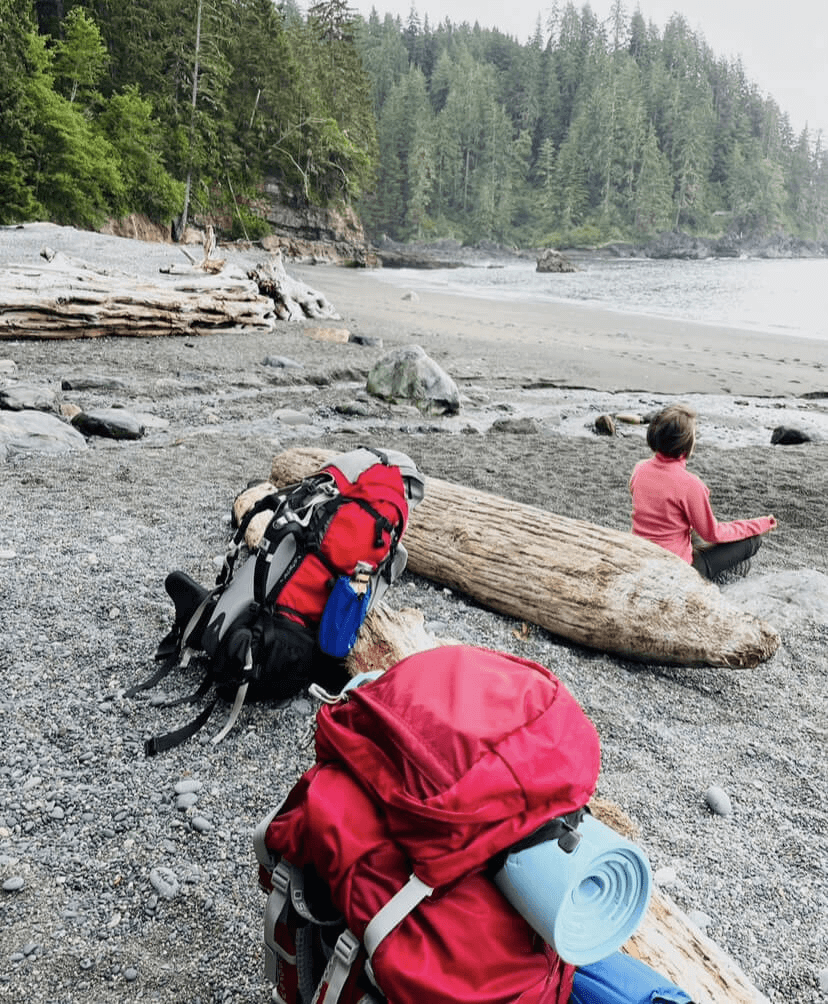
(378,863)
(288,615)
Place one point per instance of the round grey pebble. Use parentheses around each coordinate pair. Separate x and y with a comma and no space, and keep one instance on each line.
(14,884)
(188,785)
(718,801)
(186,801)
(130,975)
(164,882)
(201,825)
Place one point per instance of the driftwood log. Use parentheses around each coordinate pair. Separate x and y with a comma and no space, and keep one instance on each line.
(63,298)
(595,586)
(293,298)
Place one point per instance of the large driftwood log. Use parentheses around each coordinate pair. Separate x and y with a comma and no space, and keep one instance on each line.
(65,299)
(598,587)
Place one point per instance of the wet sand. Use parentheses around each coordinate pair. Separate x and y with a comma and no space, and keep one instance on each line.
(574,345)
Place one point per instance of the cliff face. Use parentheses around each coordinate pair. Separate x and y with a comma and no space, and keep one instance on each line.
(313,234)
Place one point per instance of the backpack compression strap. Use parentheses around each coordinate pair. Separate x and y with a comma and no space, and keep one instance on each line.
(288,893)
(169,740)
(160,744)
(393,913)
(348,946)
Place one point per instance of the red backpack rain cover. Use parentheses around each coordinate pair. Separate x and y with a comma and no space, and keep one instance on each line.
(448,758)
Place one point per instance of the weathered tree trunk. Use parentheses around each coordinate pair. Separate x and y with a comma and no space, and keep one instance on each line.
(388,636)
(669,942)
(292,298)
(65,299)
(595,586)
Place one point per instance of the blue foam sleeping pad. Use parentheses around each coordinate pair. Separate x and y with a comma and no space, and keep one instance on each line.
(621,979)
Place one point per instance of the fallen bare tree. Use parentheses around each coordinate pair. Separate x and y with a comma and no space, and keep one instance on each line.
(595,586)
(293,299)
(63,298)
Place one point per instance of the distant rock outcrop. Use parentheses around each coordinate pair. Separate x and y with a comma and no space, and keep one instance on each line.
(681,246)
(311,234)
(551,260)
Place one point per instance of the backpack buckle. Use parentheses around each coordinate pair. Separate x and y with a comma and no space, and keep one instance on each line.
(346,948)
(280,879)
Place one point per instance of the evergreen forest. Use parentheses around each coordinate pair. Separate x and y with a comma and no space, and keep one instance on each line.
(592,130)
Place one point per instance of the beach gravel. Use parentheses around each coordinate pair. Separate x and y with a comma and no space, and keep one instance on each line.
(128,878)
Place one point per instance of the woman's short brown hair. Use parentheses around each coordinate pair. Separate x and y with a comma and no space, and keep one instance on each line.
(672,431)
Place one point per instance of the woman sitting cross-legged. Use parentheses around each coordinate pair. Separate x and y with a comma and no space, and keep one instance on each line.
(669,503)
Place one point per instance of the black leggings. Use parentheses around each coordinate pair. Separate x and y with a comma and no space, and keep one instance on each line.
(712,561)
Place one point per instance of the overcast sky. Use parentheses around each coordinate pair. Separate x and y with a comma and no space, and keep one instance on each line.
(784,47)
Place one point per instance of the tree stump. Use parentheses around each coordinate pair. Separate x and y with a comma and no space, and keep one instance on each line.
(292,298)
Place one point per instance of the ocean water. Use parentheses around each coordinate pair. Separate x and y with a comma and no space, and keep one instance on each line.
(780,297)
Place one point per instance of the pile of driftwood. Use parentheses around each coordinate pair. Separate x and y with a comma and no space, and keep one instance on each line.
(604,577)
(64,298)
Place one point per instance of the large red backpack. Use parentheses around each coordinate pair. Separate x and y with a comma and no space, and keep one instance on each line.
(378,862)
(287,614)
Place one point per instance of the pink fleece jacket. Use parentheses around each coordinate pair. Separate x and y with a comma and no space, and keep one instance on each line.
(669,502)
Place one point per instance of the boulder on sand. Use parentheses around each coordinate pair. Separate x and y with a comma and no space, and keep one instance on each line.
(409,374)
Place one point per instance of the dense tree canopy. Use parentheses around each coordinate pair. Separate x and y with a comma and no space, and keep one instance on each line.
(109,107)
(592,130)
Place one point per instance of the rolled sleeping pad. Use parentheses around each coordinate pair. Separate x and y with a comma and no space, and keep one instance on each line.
(621,979)
(584,903)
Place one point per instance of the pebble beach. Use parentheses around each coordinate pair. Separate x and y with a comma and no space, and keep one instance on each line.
(124,878)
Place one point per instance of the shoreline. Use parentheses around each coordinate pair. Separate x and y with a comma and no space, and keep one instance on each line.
(554,343)
(575,345)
